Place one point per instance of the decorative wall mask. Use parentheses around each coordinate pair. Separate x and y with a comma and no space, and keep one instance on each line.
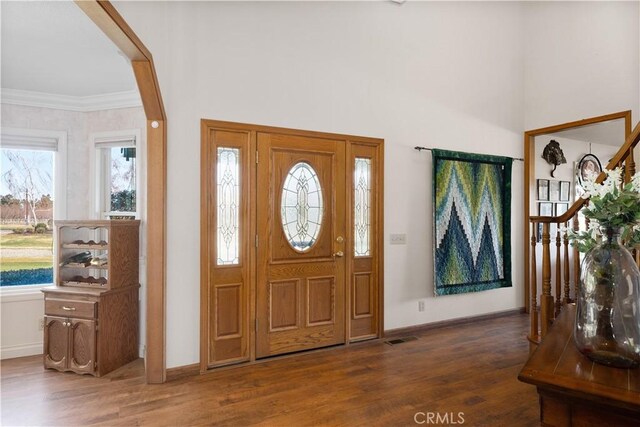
(553,154)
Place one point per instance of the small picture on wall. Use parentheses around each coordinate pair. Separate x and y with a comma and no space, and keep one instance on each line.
(554,191)
(565,187)
(561,208)
(545,209)
(543,189)
(588,166)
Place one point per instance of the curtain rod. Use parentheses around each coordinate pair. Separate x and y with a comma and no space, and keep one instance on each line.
(429,149)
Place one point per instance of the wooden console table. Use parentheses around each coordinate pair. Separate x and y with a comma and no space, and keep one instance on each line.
(575,391)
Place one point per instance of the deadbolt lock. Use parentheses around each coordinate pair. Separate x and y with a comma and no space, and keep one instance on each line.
(340,239)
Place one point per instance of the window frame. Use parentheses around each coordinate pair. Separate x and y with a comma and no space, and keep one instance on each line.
(43,140)
(101,196)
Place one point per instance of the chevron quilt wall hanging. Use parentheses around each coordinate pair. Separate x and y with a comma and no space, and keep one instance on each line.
(472,222)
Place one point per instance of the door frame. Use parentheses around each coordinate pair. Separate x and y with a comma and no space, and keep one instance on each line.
(530,180)
(207,213)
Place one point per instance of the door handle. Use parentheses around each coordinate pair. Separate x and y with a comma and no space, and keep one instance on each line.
(338,254)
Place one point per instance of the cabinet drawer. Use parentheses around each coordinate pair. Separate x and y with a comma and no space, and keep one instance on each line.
(70,308)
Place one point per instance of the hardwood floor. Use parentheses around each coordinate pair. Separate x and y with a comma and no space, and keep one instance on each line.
(470,369)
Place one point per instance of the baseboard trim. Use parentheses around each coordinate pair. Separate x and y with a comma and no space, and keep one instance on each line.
(410,330)
(183,371)
(12,351)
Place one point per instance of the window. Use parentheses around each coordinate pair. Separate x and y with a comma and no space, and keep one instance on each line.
(117,173)
(301,206)
(33,194)
(362,206)
(228,202)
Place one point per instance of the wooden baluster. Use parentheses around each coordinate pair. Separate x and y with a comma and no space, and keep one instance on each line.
(576,260)
(558,272)
(567,274)
(546,299)
(631,166)
(533,287)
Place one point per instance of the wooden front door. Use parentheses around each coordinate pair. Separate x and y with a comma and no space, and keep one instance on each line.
(301,214)
(291,241)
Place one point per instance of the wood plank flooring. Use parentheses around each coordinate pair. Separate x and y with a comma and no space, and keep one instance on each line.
(470,369)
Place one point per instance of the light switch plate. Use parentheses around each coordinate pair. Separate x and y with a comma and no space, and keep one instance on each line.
(398,239)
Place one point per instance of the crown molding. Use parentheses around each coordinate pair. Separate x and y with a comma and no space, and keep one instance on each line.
(107,101)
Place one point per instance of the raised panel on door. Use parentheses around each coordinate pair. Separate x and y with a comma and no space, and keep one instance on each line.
(56,342)
(228,340)
(320,300)
(82,349)
(282,300)
(226,173)
(300,274)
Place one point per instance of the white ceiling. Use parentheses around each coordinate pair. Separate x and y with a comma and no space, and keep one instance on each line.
(53,47)
(607,133)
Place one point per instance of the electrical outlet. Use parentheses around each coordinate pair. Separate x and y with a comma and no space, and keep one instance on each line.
(41,324)
(420,305)
(398,239)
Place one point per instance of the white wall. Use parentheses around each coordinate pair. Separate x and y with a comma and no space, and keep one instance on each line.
(581,60)
(573,151)
(127,119)
(72,122)
(440,75)
(21,314)
(463,76)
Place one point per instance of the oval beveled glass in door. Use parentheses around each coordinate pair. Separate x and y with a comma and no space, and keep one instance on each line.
(302,206)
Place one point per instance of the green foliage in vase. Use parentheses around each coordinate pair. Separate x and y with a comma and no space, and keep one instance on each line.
(123,201)
(612,206)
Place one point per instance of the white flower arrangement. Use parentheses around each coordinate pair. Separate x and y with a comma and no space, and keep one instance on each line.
(612,206)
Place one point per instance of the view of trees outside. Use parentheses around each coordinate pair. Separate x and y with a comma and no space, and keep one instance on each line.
(26,209)
(123,180)
(26,217)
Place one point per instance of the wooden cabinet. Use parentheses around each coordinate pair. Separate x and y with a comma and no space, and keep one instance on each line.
(91,316)
(90,331)
(56,343)
(70,344)
(111,249)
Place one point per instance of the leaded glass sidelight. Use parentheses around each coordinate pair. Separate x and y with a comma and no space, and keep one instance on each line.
(362,207)
(228,202)
(302,206)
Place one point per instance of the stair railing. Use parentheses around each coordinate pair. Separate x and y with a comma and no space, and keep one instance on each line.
(553,231)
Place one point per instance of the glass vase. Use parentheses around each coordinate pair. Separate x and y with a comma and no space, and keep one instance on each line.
(607,328)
